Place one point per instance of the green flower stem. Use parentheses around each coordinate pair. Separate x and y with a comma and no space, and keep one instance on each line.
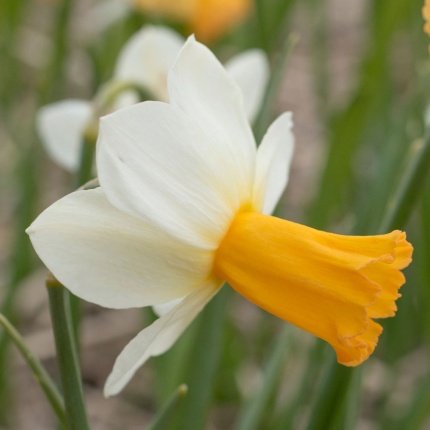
(165,417)
(88,149)
(108,94)
(67,357)
(39,372)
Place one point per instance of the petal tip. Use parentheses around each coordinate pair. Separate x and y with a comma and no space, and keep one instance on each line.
(288,118)
(111,387)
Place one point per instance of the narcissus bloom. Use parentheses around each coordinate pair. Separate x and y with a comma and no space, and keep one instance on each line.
(144,60)
(426,16)
(208,19)
(183,207)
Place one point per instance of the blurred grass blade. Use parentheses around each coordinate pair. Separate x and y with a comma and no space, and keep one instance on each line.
(266,112)
(21,255)
(402,204)
(317,10)
(10,18)
(39,372)
(423,252)
(330,396)
(202,363)
(255,410)
(412,181)
(170,367)
(271,17)
(349,126)
(53,78)
(346,415)
(20,260)
(294,408)
(167,414)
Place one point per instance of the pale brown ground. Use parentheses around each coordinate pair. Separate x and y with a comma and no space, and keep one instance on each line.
(107,331)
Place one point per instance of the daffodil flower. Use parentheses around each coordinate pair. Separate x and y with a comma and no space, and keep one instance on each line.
(183,207)
(145,59)
(208,19)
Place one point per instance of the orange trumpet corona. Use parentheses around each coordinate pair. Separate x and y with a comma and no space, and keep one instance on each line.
(330,285)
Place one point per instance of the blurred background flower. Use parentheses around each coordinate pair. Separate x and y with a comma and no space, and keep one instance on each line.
(426,16)
(208,19)
(143,64)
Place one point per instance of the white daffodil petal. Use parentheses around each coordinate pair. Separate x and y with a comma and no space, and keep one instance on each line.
(164,308)
(154,162)
(250,70)
(60,127)
(200,86)
(158,337)
(146,59)
(273,163)
(113,259)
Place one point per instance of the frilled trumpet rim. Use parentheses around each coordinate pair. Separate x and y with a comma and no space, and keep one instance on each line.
(327,284)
